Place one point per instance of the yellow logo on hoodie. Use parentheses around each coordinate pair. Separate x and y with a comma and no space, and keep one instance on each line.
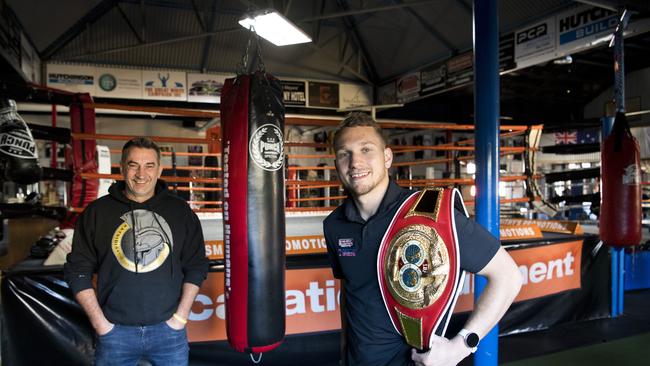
(144,238)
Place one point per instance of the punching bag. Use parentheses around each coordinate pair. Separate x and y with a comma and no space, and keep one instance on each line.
(620,218)
(252,121)
(18,153)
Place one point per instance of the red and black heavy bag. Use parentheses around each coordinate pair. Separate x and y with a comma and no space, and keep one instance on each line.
(252,121)
(418,265)
(620,217)
(84,160)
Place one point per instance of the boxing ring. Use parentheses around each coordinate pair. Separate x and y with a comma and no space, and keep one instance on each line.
(566,270)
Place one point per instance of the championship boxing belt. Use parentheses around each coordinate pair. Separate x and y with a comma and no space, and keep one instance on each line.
(418,265)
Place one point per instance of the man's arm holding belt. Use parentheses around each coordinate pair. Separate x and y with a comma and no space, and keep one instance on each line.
(504,282)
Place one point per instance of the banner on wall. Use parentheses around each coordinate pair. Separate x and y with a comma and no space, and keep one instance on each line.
(433,78)
(580,27)
(407,87)
(353,95)
(460,69)
(118,83)
(312,305)
(294,245)
(323,95)
(562,34)
(72,78)
(294,93)
(564,282)
(546,270)
(535,42)
(164,85)
(205,88)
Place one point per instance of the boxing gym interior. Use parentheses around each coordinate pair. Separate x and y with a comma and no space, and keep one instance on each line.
(536,111)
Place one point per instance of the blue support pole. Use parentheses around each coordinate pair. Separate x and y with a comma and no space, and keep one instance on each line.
(486,109)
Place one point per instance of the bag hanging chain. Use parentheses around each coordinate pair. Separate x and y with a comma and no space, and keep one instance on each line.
(243,67)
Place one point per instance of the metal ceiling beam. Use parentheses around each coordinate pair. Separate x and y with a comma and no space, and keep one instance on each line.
(208,41)
(350,24)
(199,19)
(128,22)
(318,23)
(158,43)
(346,67)
(144,21)
(432,31)
(287,7)
(605,4)
(71,33)
(363,11)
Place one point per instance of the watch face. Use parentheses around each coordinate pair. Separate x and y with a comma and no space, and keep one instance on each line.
(471,340)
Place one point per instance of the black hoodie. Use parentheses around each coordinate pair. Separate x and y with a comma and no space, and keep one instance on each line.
(168,246)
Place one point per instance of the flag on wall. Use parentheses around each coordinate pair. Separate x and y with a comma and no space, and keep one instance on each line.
(570,137)
(566,137)
(588,136)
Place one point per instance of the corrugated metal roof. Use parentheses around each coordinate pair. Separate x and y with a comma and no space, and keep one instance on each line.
(362,40)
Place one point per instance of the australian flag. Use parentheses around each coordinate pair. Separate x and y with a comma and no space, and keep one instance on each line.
(574,142)
(566,137)
(589,136)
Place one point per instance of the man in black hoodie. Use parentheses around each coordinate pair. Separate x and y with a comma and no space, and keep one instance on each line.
(146,247)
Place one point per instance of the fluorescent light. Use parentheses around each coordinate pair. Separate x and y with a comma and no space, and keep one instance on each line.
(275,28)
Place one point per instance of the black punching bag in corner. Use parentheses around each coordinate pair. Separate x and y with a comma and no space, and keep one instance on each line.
(252,122)
(620,208)
(18,155)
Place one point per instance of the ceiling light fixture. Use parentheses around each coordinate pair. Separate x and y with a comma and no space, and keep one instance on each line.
(275,28)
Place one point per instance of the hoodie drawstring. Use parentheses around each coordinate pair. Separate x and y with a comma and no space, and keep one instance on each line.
(135,226)
(169,244)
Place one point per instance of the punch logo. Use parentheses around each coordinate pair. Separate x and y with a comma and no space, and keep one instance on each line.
(266,147)
(15,138)
(631,176)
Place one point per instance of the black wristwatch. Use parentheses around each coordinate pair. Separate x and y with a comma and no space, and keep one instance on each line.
(471,339)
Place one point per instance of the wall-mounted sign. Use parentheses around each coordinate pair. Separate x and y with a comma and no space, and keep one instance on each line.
(118,83)
(73,78)
(294,93)
(535,41)
(205,88)
(164,85)
(581,26)
(433,78)
(562,34)
(460,69)
(353,95)
(323,95)
(408,87)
